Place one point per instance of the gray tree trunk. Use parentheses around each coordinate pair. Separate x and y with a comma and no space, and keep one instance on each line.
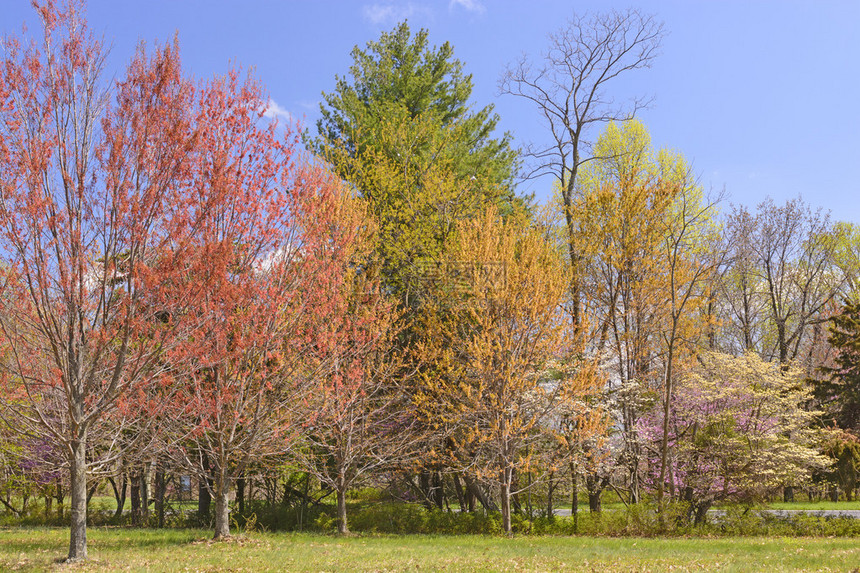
(342,526)
(78,536)
(222,506)
(505,491)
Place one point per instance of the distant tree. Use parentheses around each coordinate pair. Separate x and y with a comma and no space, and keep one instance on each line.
(401,78)
(785,261)
(569,89)
(401,131)
(839,392)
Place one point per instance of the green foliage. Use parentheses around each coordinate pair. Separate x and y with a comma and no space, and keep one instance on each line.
(839,393)
(400,77)
(401,131)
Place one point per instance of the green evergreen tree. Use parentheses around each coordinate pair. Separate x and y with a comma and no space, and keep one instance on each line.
(401,77)
(401,131)
(839,393)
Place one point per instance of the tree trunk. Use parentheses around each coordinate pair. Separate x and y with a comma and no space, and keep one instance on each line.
(135,497)
(204,496)
(550,488)
(119,493)
(424,486)
(342,526)
(594,485)
(438,491)
(505,491)
(478,493)
(461,497)
(78,535)
(788,494)
(60,496)
(222,505)
(145,475)
(667,410)
(594,505)
(574,497)
(240,493)
(160,492)
(49,501)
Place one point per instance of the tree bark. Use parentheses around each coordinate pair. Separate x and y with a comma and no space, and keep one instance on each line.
(135,497)
(145,475)
(240,493)
(342,526)
(505,491)
(222,505)
(204,497)
(461,497)
(594,485)
(60,496)
(550,488)
(574,501)
(160,492)
(78,535)
(119,493)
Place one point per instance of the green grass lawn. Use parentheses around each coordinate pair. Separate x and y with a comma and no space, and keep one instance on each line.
(119,549)
(814,505)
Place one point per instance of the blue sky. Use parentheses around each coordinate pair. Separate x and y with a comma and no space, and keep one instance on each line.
(762,97)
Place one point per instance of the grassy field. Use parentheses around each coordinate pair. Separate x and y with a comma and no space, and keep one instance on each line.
(39,549)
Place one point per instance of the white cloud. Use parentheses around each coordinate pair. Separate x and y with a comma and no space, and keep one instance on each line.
(392,12)
(274,111)
(474,6)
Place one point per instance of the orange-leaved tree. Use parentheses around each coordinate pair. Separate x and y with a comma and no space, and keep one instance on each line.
(360,421)
(497,348)
(260,279)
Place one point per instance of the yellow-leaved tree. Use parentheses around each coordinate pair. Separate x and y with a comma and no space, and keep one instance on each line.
(648,253)
(493,354)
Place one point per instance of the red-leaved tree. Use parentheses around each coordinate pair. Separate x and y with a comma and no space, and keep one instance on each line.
(86,180)
(258,278)
(154,238)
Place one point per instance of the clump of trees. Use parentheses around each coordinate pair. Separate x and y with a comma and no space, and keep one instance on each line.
(188,298)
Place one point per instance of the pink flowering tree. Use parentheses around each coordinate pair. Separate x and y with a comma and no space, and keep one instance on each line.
(738,429)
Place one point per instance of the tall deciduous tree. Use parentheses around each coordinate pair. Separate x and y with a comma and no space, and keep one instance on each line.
(498,348)
(645,241)
(569,88)
(90,184)
(789,254)
(260,278)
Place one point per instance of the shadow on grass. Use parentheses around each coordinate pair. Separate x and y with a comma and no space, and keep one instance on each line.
(33,540)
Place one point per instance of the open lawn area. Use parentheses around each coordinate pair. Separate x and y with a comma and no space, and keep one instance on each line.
(119,549)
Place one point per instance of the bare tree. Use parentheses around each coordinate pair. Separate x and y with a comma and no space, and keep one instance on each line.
(793,261)
(569,89)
